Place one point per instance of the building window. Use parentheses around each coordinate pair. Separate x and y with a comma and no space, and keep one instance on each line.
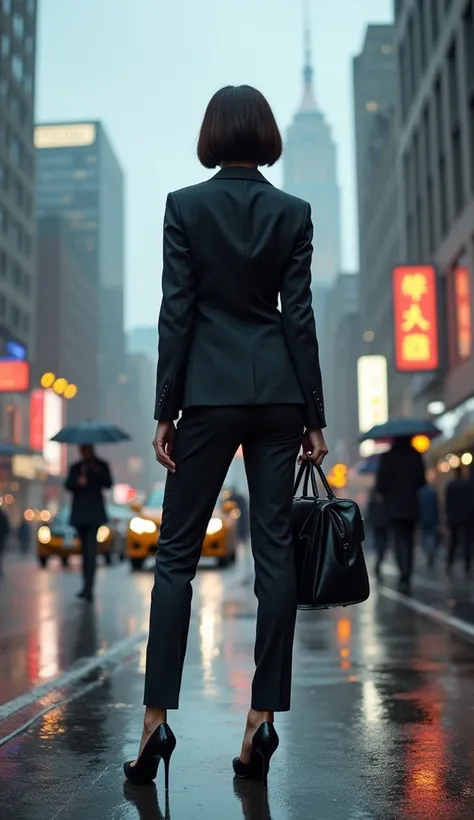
(421,30)
(3,264)
(15,316)
(17,67)
(434,21)
(17,190)
(26,244)
(15,151)
(443,190)
(372,106)
(3,176)
(7,6)
(468,26)
(458,182)
(29,45)
(28,85)
(18,26)
(453,84)
(5,45)
(3,221)
(30,6)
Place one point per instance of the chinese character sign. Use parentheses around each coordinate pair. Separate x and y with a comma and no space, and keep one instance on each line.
(416,318)
(463,312)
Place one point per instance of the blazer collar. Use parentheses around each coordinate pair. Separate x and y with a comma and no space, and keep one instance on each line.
(240,172)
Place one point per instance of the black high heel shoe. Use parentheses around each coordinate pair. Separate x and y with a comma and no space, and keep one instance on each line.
(159,746)
(264,743)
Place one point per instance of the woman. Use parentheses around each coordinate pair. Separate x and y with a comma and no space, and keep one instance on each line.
(241,372)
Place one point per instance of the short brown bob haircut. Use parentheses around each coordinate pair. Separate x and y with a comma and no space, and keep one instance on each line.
(239,126)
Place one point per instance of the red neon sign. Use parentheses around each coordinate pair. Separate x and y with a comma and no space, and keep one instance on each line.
(462,293)
(415,318)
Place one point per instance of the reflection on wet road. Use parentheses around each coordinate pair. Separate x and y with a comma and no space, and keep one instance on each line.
(381,726)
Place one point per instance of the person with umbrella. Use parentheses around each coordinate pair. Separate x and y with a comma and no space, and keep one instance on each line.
(400,477)
(86,481)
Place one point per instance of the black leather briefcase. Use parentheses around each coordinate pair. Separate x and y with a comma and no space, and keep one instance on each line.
(327,536)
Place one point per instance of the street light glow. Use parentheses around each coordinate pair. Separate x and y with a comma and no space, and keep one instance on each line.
(70,392)
(47,380)
(59,386)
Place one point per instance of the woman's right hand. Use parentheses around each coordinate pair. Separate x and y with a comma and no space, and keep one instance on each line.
(314,447)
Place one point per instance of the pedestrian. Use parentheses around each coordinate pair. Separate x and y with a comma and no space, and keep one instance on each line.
(4,533)
(24,537)
(243,371)
(400,477)
(378,523)
(429,522)
(87,479)
(459,504)
(243,520)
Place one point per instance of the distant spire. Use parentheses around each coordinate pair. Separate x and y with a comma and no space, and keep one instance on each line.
(309,100)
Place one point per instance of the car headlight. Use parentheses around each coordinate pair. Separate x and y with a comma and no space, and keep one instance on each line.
(215,525)
(142,525)
(102,534)
(44,535)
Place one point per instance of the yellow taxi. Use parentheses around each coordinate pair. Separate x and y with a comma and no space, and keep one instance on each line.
(220,541)
(58,539)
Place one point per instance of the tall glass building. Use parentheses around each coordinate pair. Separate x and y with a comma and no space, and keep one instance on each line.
(310,173)
(79,177)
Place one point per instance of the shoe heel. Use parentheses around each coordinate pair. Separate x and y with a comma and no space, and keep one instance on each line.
(166,761)
(265,767)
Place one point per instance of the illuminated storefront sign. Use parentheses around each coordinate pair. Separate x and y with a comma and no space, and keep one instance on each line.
(14,376)
(372,391)
(74,135)
(46,419)
(415,318)
(462,293)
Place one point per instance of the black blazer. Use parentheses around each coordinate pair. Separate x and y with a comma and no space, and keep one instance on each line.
(88,508)
(232,246)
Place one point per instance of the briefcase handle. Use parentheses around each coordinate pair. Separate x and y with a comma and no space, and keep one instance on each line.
(308,471)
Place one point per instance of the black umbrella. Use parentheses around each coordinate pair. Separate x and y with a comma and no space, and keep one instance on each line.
(401,428)
(91,432)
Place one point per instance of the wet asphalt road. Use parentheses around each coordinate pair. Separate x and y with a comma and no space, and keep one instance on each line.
(382,725)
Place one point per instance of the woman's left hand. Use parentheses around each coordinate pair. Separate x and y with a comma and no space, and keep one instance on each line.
(163,444)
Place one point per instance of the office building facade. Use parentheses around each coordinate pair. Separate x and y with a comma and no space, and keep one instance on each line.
(375,121)
(310,172)
(67,326)
(17,208)
(435,55)
(80,179)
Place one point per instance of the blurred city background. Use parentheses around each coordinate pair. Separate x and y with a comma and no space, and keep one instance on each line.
(100,107)
(381,131)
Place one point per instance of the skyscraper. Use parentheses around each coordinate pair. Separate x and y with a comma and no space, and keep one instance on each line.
(310,173)
(79,177)
(17,212)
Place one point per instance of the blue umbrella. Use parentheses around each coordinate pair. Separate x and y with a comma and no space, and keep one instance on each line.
(401,428)
(91,432)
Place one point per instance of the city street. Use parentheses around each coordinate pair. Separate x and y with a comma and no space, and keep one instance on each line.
(381,726)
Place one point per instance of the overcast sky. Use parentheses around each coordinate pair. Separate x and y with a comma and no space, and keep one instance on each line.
(147,70)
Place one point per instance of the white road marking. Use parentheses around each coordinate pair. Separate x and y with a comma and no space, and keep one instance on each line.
(458,624)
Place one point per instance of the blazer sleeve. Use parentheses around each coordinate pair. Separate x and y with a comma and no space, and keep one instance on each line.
(71,481)
(175,324)
(299,326)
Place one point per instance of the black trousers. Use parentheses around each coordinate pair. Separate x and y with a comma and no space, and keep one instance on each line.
(460,533)
(404,542)
(205,444)
(88,538)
